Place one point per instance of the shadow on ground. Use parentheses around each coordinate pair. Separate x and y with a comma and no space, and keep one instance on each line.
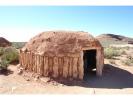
(6,72)
(113,78)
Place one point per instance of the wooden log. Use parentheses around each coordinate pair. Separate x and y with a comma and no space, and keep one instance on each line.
(50,66)
(70,67)
(60,66)
(75,69)
(25,60)
(33,63)
(22,59)
(80,67)
(65,67)
(28,60)
(55,67)
(28,67)
(41,64)
(97,63)
(35,68)
(100,62)
(102,57)
(45,66)
(38,65)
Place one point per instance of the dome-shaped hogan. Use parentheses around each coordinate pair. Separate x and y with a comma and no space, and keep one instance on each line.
(54,43)
(63,54)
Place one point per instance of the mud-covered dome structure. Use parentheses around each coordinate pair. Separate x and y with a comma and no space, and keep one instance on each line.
(63,54)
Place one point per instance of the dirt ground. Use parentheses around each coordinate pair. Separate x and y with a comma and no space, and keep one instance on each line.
(116,79)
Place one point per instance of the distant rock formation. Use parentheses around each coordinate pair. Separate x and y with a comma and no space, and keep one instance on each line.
(4,42)
(113,37)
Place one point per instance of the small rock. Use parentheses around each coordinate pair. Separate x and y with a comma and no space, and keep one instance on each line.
(49,80)
(45,80)
(61,85)
(27,79)
(56,84)
(21,68)
(37,77)
(20,71)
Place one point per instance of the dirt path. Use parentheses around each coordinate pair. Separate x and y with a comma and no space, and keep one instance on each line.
(115,80)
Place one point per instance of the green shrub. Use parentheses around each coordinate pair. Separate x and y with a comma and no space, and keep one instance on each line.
(3,64)
(9,55)
(110,53)
(123,52)
(1,51)
(128,61)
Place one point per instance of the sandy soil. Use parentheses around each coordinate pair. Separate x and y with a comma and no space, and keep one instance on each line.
(116,79)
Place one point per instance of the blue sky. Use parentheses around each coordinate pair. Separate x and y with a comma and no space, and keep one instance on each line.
(20,23)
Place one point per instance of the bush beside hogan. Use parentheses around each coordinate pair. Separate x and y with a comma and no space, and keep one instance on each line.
(8,55)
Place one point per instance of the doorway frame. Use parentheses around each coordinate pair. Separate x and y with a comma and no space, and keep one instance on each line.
(88,57)
(99,59)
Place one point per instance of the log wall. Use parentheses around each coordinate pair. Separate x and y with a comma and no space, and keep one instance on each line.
(64,67)
(59,67)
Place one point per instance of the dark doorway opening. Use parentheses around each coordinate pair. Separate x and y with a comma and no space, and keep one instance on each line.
(89,59)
